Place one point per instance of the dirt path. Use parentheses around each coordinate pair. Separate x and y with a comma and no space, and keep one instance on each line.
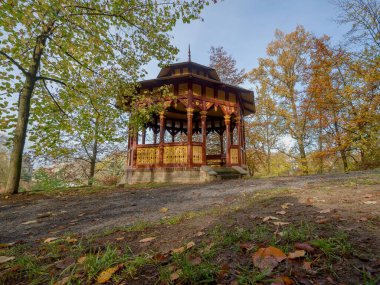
(32,217)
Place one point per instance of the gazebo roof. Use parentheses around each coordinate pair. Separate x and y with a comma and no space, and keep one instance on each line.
(200,73)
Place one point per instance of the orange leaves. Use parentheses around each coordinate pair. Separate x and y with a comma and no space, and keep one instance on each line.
(268,258)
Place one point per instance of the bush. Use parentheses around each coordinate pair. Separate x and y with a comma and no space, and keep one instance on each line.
(45,180)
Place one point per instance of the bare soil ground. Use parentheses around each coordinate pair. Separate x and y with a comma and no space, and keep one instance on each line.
(228,221)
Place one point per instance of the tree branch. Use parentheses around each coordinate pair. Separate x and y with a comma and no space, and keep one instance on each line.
(50,79)
(15,63)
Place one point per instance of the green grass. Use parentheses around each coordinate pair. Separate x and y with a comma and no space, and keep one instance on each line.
(250,276)
(203,273)
(95,263)
(334,247)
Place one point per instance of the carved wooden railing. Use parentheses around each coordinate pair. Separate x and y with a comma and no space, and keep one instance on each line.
(174,154)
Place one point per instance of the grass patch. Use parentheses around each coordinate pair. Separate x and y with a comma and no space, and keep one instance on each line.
(334,247)
(95,263)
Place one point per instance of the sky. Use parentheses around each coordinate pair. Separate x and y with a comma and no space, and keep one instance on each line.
(245,27)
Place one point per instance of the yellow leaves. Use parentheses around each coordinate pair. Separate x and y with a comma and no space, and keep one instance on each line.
(164,210)
(106,275)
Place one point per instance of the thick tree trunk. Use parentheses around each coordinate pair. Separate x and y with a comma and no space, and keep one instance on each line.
(20,136)
(23,116)
(305,168)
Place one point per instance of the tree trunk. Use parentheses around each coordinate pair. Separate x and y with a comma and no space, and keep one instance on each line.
(320,145)
(94,153)
(342,150)
(305,168)
(23,116)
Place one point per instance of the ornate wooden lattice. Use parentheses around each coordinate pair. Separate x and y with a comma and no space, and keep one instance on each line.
(147,155)
(197,154)
(175,154)
(234,156)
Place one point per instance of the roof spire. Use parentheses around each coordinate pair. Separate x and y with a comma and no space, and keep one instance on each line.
(189,54)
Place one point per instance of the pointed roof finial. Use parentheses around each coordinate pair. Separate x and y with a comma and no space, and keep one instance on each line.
(189,54)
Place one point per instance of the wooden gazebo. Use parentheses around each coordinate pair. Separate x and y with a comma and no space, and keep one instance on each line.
(174,145)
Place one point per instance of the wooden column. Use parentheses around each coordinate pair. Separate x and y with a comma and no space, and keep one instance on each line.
(162,137)
(227,121)
(134,150)
(238,126)
(204,136)
(190,136)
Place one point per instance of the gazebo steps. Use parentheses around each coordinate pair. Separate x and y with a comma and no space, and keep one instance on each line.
(227,173)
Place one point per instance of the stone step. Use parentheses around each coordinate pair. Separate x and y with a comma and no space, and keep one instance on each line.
(227,173)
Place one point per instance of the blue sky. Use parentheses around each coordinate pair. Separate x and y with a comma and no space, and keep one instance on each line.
(245,27)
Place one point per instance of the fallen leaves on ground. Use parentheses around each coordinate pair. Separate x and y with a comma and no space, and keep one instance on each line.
(63,281)
(195,260)
(106,275)
(4,245)
(148,239)
(200,234)
(190,245)
(4,259)
(224,270)
(268,258)
(160,257)
(246,246)
(178,250)
(283,280)
(71,240)
(307,265)
(164,210)
(29,222)
(304,246)
(325,211)
(175,275)
(280,223)
(286,205)
(49,240)
(296,254)
(81,259)
(370,202)
(269,218)
(322,221)
(281,212)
